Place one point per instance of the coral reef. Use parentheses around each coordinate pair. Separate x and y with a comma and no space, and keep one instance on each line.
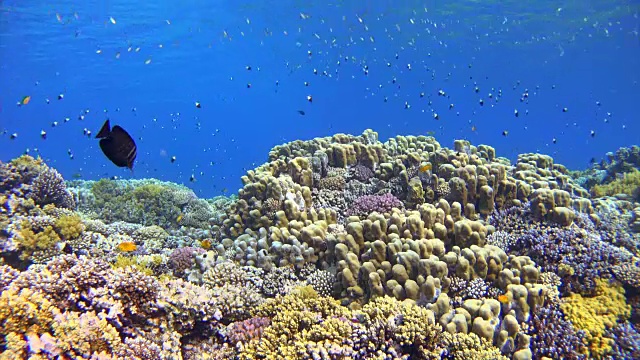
(627,184)
(146,202)
(336,247)
(594,315)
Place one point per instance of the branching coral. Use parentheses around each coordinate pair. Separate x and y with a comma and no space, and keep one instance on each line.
(247,330)
(146,202)
(461,346)
(192,309)
(20,171)
(30,241)
(577,253)
(346,205)
(69,226)
(49,188)
(304,325)
(627,341)
(79,335)
(553,336)
(360,173)
(183,258)
(628,184)
(367,204)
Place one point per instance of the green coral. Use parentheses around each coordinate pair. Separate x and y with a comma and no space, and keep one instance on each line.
(146,204)
(628,184)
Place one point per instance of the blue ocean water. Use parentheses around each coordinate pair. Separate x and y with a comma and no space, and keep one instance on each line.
(366,64)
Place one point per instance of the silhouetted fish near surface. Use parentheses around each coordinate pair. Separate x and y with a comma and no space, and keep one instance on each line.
(117,145)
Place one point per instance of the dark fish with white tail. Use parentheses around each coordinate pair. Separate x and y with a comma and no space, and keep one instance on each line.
(117,145)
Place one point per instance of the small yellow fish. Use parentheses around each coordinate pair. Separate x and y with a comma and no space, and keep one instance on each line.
(179,218)
(25,100)
(431,133)
(206,244)
(127,246)
(425,168)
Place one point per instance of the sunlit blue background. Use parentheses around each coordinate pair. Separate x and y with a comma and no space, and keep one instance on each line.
(172,54)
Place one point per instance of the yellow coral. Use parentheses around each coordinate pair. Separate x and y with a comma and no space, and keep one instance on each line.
(629,184)
(25,311)
(297,322)
(301,298)
(85,334)
(304,324)
(28,162)
(595,314)
(69,226)
(125,261)
(416,324)
(470,347)
(15,347)
(29,241)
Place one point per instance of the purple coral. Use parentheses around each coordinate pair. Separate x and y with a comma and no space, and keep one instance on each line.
(581,252)
(627,344)
(246,330)
(366,204)
(183,258)
(361,173)
(49,188)
(578,253)
(553,336)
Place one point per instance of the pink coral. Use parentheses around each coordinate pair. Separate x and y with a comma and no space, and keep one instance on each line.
(183,258)
(366,204)
(361,173)
(245,331)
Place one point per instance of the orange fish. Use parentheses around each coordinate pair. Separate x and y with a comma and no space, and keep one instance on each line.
(425,168)
(503,298)
(206,244)
(474,128)
(25,100)
(127,246)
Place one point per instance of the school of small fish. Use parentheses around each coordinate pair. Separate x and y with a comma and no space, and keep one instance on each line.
(330,47)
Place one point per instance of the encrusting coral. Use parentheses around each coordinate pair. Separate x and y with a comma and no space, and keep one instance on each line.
(594,315)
